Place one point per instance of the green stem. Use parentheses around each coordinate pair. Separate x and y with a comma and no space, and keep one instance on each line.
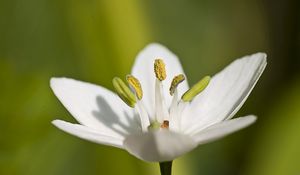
(165,168)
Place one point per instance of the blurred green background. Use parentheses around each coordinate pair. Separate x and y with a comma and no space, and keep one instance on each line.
(95,40)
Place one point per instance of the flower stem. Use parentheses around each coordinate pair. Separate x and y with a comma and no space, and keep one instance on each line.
(165,168)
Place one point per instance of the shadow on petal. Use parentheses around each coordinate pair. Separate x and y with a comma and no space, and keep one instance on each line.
(106,115)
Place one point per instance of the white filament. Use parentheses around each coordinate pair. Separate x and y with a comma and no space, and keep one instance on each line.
(174,125)
(143,115)
(161,112)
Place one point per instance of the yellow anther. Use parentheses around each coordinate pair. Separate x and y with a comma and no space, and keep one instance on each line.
(124,92)
(135,84)
(175,82)
(159,69)
(196,89)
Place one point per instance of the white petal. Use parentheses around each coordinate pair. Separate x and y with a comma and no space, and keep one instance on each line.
(225,94)
(143,70)
(95,106)
(222,129)
(158,146)
(88,134)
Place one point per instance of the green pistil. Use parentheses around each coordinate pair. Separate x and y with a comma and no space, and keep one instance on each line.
(154,126)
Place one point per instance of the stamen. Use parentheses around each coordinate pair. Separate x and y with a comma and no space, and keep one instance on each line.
(196,89)
(160,70)
(135,84)
(161,111)
(175,82)
(124,92)
(174,117)
(143,116)
(174,102)
(180,108)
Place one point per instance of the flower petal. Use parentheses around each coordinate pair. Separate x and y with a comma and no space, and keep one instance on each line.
(225,94)
(158,146)
(143,70)
(88,134)
(95,107)
(222,129)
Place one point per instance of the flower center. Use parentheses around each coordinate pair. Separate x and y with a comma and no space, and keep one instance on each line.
(165,124)
(165,117)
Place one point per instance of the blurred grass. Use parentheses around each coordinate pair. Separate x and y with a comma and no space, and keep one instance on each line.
(96,40)
(78,39)
(276,150)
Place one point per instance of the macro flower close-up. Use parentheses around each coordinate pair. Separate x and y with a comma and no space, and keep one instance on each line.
(156,116)
(149,87)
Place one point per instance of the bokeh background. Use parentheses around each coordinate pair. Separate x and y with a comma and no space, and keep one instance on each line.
(95,40)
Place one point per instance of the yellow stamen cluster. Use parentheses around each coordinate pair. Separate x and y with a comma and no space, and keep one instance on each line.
(175,82)
(135,84)
(132,94)
(160,70)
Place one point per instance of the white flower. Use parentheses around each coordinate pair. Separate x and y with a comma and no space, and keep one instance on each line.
(181,124)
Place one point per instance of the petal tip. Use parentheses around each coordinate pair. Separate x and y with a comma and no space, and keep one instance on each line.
(57,122)
(223,129)
(252,119)
(55,80)
(157,48)
(262,56)
(155,45)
